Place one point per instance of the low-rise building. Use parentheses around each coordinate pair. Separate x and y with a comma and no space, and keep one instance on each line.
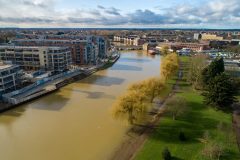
(56,59)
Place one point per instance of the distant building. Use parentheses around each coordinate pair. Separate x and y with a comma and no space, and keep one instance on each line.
(207,37)
(145,46)
(118,39)
(9,77)
(149,46)
(193,46)
(197,36)
(56,59)
(131,40)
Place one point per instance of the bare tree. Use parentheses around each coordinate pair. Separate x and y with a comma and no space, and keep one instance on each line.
(176,106)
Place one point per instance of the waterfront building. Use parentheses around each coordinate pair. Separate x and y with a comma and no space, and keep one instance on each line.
(56,59)
(85,50)
(9,77)
(138,41)
(131,40)
(149,46)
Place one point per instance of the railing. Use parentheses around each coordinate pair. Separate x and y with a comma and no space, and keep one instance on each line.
(32,87)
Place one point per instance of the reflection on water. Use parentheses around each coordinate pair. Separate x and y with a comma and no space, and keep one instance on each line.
(138,60)
(94,95)
(74,123)
(55,102)
(125,67)
(103,80)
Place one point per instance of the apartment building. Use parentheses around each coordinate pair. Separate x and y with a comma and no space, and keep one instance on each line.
(84,50)
(56,59)
(9,77)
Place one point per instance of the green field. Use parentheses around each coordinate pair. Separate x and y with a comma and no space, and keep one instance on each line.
(198,120)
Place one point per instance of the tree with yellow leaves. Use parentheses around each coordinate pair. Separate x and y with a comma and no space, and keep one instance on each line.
(130,107)
(165,50)
(150,88)
(169,66)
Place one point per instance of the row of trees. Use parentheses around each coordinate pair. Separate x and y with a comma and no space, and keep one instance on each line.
(169,66)
(135,103)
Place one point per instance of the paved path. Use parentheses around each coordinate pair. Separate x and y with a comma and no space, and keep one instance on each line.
(236,125)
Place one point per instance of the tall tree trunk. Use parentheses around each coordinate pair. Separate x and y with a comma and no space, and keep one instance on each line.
(173,116)
(130,117)
(153,96)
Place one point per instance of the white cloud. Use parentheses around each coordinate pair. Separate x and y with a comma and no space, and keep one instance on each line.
(38,13)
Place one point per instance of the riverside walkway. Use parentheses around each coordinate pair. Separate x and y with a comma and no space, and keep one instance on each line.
(39,88)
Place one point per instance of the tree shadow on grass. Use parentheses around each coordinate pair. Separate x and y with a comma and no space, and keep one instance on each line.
(183,84)
(193,123)
(176,158)
(229,155)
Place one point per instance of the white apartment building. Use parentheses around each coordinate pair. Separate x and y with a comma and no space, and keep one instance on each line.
(55,59)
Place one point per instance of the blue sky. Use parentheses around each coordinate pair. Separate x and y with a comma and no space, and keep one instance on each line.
(120,13)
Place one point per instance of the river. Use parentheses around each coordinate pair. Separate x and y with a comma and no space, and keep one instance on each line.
(75,122)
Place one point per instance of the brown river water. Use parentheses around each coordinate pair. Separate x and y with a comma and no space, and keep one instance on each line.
(75,123)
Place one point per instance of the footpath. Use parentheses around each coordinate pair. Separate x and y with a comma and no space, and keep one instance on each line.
(134,143)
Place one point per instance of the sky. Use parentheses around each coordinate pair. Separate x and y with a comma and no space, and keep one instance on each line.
(120,13)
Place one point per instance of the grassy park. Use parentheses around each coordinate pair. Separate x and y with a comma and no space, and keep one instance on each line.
(200,124)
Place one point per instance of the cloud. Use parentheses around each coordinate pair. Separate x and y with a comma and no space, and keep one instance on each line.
(100,7)
(113,11)
(43,12)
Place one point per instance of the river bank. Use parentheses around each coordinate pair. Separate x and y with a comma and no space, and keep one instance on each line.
(52,86)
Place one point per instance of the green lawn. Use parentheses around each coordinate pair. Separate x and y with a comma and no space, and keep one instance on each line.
(194,124)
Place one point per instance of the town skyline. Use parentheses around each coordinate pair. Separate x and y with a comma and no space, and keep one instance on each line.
(125,14)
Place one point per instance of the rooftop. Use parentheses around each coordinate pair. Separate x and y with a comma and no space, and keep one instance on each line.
(29,47)
(5,66)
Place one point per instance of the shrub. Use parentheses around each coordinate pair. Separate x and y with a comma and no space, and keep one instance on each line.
(182,136)
(166,154)
(213,151)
